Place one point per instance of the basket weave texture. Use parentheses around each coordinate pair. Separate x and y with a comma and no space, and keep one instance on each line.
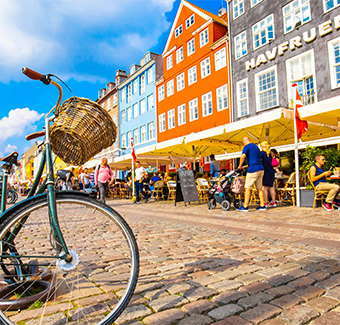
(81,129)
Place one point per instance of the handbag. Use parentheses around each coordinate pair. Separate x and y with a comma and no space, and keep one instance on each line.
(237,185)
(275,162)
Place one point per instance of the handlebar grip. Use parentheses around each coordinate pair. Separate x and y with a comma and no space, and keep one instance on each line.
(36,75)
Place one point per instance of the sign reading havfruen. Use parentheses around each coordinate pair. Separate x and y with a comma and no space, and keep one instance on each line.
(307,37)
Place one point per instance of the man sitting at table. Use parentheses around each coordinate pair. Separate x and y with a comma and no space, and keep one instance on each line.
(318,177)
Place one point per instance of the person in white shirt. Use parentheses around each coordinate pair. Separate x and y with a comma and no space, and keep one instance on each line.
(139,171)
(86,179)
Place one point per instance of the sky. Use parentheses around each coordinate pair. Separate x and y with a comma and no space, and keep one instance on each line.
(83,42)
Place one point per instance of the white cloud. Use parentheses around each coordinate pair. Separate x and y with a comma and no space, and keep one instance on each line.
(10,148)
(18,121)
(63,35)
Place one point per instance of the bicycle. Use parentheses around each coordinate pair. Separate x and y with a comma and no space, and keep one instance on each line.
(64,256)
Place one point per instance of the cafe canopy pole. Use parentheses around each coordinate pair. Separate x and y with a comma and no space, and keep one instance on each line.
(296,149)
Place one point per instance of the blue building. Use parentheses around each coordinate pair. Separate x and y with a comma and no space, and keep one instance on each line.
(137,103)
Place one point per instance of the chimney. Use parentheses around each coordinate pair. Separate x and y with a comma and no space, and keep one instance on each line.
(120,76)
(222,11)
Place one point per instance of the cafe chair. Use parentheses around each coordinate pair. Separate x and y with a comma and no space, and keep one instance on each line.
(202,189)
(318,195)
(287,192)
(254,195)
(157,192)
(172,190)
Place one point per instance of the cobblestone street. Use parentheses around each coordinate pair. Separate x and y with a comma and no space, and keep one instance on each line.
(201,266)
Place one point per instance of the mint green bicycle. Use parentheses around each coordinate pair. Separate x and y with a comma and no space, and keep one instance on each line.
(64,257)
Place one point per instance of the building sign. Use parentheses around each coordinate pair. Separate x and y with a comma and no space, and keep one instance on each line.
(307,37)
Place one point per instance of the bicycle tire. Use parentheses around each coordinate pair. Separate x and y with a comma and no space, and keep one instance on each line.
(9,197)
(97,285)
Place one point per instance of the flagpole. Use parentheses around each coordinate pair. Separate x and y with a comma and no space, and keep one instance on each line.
(296,148)
(133,169)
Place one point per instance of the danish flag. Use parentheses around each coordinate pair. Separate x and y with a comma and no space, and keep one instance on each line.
(301,126)
(133,154)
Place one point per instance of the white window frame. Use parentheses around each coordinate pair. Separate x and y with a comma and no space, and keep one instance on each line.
(332,64)
(293,13)
(143,134)
(180,81)
(115,99)
(206,99)
(220,59)
(171,119)
(161,121)
(204,37)
(239,99)
(135,110)
(123,137)
(253,3)
(170,88)
(192,75)
(151,130)
(123,116)
(334,5)
(123,94)
(136,136)
(129,93)
(205,68)
(222,97)
(169,62)
(240,42)
(193,109)
(191,46)
(142,84)
(142,107)
(181,114)
(151,102)
(135,86)
(257,29)
(190,21)
(238,8)
(129,136)
(150,75)
(129,113)
(179,55)
(161,94)
(178,30)
(257,88)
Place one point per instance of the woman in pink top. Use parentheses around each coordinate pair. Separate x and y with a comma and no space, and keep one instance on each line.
(101,178)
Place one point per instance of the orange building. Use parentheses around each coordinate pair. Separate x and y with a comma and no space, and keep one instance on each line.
(194,93)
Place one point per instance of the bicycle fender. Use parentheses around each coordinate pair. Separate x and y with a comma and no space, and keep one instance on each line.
(20,204)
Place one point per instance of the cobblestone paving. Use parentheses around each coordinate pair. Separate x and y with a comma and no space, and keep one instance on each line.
(201,266)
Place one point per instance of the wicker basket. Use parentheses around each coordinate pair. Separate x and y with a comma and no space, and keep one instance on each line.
(81,129)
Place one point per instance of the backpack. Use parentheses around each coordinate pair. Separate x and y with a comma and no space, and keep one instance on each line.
(64,175)
(237,186)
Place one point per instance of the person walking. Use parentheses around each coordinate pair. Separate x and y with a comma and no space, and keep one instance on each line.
(269,173)
(86,179)
(139,171)
(102,176)
(214,167)
(70,180)
(255,173)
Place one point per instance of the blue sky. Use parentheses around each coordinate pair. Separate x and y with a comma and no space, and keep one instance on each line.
(83,42)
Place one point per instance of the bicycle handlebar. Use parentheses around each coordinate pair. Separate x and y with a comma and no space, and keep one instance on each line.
(36,75)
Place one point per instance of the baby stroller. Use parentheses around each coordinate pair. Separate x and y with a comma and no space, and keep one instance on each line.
(223,193)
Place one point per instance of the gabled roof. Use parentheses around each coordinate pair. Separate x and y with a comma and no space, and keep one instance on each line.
(199,11)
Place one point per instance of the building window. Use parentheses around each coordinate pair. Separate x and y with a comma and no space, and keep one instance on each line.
(169,62)
(204,37)
(190,21)
(330,4)
(263,32)
(254,2)
(115,119)
(135,136)
(151,102)
(151,129)
(242,98)
(129,93)
(170,88)
(240,42)
(129,137)
(207,104)
(178,30)
(150,75)
(205,68)
(193,110)
(135,86)
(143,134)
(220,59)
(142,84)
(123,94)
(161,93)
(123,137)
(161,120)
(142,107)
(180,82)
(123,116)
(115,101)
(179,54)
(129,113)
(238,8)
(266,89)
(191,46)
(135,110)
(171,119)
(300,70)
(181,114)
(296,14)
(334,62)
(192,75)
(222,98)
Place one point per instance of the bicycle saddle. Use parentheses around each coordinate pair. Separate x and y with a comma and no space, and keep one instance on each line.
(11,158)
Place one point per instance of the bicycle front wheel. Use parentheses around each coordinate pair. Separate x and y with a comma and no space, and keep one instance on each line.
(37,286)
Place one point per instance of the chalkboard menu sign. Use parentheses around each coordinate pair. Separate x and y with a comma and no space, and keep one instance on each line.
(186,189)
